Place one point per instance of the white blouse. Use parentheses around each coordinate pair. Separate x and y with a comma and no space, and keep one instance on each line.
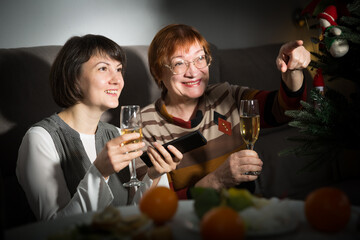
(40,174)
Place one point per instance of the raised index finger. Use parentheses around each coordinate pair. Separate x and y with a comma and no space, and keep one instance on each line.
(290,46)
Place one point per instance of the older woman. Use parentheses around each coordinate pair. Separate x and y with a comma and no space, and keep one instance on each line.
(179,59)
(71,162)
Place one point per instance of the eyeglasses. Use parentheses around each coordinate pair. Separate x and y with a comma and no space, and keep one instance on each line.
(181,66)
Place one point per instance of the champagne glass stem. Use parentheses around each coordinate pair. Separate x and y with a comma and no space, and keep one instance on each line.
(256,173)
(133,170)
(134,182)
(250,146)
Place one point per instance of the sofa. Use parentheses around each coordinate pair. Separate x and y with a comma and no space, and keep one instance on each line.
(26,98)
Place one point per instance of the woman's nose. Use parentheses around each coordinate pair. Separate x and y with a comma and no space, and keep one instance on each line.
(116,77)
(191,70)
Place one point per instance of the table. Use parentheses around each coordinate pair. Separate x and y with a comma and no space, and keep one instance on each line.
(40,230)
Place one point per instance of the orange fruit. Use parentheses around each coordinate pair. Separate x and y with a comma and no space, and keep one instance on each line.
(222,222)
(159,204)
(327,209)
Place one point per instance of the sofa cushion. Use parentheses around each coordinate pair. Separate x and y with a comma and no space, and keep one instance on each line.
(25,98)
(252,67)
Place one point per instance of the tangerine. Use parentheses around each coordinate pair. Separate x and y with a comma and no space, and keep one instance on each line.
(222,222)
(159,204)
(327,209)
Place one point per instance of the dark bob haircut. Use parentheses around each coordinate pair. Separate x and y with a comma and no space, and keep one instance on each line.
(65,71)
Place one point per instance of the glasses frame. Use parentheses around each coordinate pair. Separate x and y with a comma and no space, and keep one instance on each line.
(187,63)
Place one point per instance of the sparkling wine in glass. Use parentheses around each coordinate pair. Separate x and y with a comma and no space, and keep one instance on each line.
(130,122)
(249,124)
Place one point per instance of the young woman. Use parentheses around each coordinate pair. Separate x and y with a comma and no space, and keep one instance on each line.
(71,162)
(179,59)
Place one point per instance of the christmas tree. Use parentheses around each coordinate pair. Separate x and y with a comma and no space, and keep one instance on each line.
(329,122)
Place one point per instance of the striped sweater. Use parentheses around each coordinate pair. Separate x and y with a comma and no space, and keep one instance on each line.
(219,104)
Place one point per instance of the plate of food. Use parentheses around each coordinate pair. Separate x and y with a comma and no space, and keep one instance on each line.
(262,216)
(107,224)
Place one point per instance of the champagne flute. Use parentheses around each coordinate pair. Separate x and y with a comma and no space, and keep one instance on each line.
(250,125)
(130,122)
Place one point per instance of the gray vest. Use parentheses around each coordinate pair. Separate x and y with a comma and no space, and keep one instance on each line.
(74,160)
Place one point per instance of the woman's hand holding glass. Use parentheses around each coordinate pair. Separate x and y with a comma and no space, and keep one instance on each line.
(115,155)
(162,160)
(231,172)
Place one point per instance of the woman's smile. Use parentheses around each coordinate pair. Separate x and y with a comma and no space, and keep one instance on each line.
(194,83)
(112,92)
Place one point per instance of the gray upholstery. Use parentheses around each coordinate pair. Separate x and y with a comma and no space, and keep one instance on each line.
(26,98)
